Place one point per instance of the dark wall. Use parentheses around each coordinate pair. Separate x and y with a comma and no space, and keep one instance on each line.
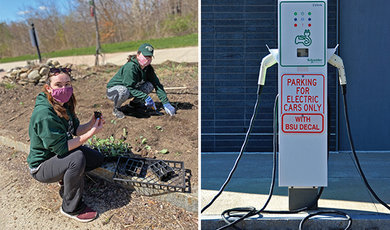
(365,49)
(234,34)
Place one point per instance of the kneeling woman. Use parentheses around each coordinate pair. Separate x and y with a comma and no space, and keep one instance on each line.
(55,156)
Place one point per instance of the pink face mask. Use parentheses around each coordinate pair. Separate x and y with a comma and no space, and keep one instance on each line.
(143,61)
(62,95)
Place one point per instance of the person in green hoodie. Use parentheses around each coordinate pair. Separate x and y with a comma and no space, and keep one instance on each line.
(55,155)
(137,79)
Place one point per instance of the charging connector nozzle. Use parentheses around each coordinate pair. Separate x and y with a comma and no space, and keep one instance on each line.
(337,62)
(266,62)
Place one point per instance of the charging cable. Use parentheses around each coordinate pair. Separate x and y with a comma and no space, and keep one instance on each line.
(344,92)
(251,211)
(259,90)
(244,212)
(336,61)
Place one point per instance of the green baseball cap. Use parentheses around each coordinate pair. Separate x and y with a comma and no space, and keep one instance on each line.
(146,49)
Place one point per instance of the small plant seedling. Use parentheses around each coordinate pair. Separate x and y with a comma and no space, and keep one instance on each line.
(109,147)
(143,141)
(159,128)
(164,151)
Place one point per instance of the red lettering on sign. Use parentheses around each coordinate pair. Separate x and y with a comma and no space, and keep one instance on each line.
(302,94)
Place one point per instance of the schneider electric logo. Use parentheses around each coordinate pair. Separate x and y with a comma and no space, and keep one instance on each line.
(314,60)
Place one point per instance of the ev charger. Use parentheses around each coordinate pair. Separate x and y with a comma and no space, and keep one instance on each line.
(302,87)
(302,60)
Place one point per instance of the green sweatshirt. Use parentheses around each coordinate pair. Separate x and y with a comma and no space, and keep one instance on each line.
(49,133)
(132,76)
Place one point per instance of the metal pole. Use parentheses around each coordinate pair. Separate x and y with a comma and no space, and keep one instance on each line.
(36,42)
(97,35)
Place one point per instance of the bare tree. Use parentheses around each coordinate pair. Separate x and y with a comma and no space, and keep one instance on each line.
(119,20)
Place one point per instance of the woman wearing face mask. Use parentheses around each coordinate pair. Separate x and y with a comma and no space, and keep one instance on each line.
(137,79)
(55,156)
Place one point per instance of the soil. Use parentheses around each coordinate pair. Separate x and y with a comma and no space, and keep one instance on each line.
(147,135)
(29,204)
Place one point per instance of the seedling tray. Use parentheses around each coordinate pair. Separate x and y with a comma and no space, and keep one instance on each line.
(162,170)
(151,173)
(130,166)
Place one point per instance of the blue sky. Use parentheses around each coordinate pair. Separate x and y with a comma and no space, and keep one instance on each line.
(13,10)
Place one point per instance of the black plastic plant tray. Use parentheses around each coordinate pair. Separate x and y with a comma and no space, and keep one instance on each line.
(162,170)
(157,174)
(130,166)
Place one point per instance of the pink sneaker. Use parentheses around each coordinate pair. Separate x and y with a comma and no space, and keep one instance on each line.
(88,214)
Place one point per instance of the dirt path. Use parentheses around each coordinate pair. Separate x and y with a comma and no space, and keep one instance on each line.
(183,54)
(28,204)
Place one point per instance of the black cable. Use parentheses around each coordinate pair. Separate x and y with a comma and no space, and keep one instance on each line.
(344,92)
(259,90)
(327,212)
(251,211)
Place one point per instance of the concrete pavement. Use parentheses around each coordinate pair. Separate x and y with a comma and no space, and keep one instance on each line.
(183,54)
(250,184)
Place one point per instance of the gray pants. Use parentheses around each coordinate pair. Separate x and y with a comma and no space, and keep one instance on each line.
(119,93)
(70,169)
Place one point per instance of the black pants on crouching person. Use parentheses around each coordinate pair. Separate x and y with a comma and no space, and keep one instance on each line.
(70,169)
(119,94)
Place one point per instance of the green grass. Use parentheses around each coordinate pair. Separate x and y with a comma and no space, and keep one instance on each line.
(8,85)
(161,43)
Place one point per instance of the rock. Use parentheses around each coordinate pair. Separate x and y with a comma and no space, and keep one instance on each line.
(23,82)
(56,63)
(42,80)
(31,63)
(34,75)
(23,76)
(15,72)
(44,71)
(49,62)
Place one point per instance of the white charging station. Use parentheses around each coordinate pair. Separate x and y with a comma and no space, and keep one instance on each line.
(302,87)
